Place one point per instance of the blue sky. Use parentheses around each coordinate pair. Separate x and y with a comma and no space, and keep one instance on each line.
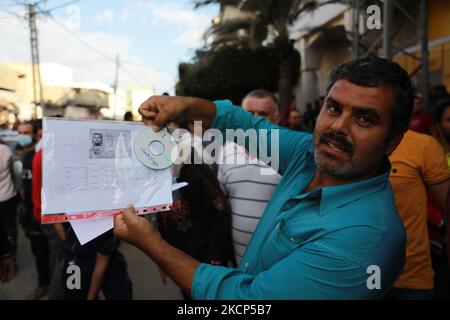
(151,37)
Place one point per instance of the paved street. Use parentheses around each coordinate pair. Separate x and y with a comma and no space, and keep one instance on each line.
(144,273)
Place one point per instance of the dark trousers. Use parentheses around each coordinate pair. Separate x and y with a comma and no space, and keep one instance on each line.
(8,215)
(56,290)
(41,252)
(441,274)
(39,247)
(116,285)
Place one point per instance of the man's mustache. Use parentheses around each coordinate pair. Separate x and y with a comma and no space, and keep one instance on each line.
(337,139)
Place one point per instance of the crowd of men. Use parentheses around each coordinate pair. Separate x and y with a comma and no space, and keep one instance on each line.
(223,220)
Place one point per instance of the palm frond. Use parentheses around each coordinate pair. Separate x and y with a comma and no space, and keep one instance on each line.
(230,26)
(310,6)
(202,3)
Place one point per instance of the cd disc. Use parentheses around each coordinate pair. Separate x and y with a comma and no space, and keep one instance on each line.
(155,149)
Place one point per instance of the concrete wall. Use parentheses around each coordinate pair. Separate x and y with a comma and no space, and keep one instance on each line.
(320,52)
(439,19)
(8,78)
(319,56)
(439,44)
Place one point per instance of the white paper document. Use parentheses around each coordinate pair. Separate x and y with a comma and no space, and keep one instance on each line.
(91,229)
(90,166)
(87,230)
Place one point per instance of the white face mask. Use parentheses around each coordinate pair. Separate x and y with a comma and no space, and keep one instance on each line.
(24,140)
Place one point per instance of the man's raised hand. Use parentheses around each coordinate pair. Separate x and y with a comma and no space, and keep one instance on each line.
(159,111)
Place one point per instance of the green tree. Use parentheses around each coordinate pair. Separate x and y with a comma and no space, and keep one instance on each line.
(230,73)
(276,15)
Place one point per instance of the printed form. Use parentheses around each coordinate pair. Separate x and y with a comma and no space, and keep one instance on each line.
(90,166)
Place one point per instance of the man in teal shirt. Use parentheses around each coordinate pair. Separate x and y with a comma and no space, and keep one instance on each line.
(331,229)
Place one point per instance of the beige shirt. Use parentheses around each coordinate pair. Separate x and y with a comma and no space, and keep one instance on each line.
(7,190)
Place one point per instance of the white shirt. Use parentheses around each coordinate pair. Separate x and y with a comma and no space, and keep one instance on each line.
(7,190)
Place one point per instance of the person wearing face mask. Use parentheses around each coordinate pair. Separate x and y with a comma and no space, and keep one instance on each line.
(25,151)
(27,139)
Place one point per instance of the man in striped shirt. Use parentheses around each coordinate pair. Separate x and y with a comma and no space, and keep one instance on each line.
(248,182)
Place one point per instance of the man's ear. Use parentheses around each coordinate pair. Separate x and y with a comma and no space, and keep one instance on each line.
(393,143)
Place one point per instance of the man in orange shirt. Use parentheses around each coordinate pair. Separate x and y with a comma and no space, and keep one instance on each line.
(418,165)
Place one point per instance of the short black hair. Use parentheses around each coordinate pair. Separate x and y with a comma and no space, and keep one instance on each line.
(128,116)
(262,93)
(441,109)
(379,72)
(37,125)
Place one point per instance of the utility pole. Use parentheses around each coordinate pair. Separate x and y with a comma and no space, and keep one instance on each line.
(35,62)
(389,45)
(116,84)
(387,29)
(355,29)
(425,54)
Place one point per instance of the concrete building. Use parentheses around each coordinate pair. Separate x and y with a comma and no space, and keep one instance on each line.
(12,104)
(321,38)
(52,75)
(61,94)
(79,100)
(127,100)
(324,40)
(230,14)
(439,45)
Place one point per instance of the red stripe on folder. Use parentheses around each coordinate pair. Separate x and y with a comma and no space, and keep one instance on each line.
(58,218)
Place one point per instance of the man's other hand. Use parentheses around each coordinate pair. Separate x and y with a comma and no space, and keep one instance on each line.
(133,229)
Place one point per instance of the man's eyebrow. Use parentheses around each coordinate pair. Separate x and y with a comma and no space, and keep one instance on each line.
(333,101)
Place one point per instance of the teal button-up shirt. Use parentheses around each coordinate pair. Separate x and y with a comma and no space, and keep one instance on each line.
(339,242)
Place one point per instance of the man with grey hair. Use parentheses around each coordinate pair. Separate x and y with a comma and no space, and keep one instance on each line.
(262,103)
